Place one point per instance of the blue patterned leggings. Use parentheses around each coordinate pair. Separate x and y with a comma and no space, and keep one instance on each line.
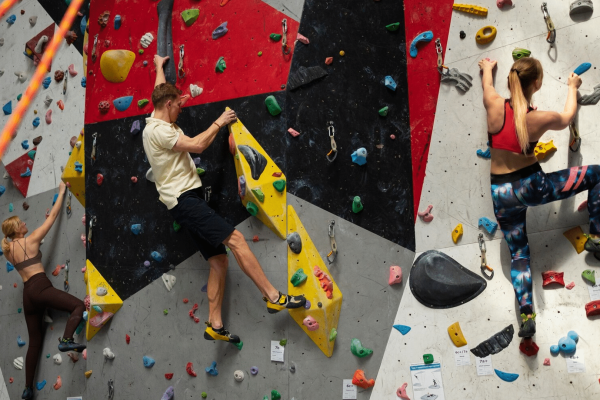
(533,187)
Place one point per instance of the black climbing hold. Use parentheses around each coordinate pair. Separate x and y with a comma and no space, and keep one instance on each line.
(439,281)
(463,34)
(495,344)
(257,161)
(295,243)
(304,76)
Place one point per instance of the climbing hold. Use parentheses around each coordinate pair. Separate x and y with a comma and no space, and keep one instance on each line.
(20,341)
(10,209)
(529,347)
(36,122)
(489,226)
(11,20)
(279,185)
(259,194)
(299,277)
(212,370)
(26,173)
(401,392)
(592,308)
(195,90)
(567,344)
(108,354)
(256,160)
(9,266)
(57,359)
(457,233)
(146,40)
(135,127)
(393,27)
(176,226)
(87,373)
(33,20)
(332,334)
(220,31)
(461,80)
(48,117)
(21,76)
(390,83)
(428,358)
(48,100)
(46,83)
(552,277)
(495,344)
(302,39)
(582,68)
(25,144)
(18,363)
(169,394)
(502,3)
(148,361)
(486,34)
(519,53)
(426,215)
(422,37)
(471,9)
(505,376)
(117,22)
(254,370)
(147,264)
(123,103)
(136,229)
(310,323)
(359,379)
(40,385)
(169,281)
(190,16)
(577,238)
(78,166)
(143,102)
(275,395)
(358,350)
(156,256)
(456,335)
(127,338)
(7,108)
(484,154)
(357,205)
(359,156)
(272,105)
(238,375)
(71,70)
(589,275)
(103,18)
(395,275)
(462,34)
(189,368)
(541,150)
(342,53)
(220,66)
(103,106)
(570,286)
(546,361)
(2,190)
(70,37)
(116,64)
(283,342)
(25,206)
(384,111)
(99,179)
(83,82)
(204,395)
(59,75)
(60,105)
(276,37)
(200,171)
(304,76)
(581,7)
(329,60)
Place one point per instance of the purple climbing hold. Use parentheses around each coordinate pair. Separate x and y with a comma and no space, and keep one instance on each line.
(135,127)
(197,161)
(220,30)
(169,394)
(242,186)
(146,263)
(254,370)
(204,288)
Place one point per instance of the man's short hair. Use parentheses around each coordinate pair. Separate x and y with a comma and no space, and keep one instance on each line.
(163,93)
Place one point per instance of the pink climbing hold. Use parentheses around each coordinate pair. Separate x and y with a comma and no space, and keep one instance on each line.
(87,302)
(395,275)
(58,383)
(546,361)
(329,60)
(570,285)
(324,281)
(83,238)
(582,206)
(426,215)
(310,323)
(72,71)
(49,116)
(293,132)
(502,3)
(134,179)
(401,392)
(84,269)
(302,39)
(392,136)
(100,319)
(73,356)
(84,354)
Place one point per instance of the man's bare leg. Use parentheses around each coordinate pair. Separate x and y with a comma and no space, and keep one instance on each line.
(216,289)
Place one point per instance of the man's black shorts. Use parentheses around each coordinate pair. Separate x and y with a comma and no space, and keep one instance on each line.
(207,228)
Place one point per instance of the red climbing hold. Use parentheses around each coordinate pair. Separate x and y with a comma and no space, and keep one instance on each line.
(185,301)
(134,179)
(127,338)
(104,106)
(528,347)
(57,270)
(192,311)
(15,168)
(328,60)
(99,179)
(553,277)
(255,238)
(15,285)
(592,308)
(582,206)
(190,369)
(60,105)
(11,380)
(277,174)
(359,379)
(169,376)
(324,281)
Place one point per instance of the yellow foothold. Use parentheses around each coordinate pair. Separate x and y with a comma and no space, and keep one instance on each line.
(457,233)
(576,237)
(342,53)
(456,335)
(542,149)
(486,34)
(88,373)
(115,64)
(471,9)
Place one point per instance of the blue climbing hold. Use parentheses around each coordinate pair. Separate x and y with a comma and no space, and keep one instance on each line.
(145,63)
(2,190)
(36,122)
(484,154)
(83,24)
(117,21)
(423,37)
(85,315)
(149,362)
(582,68)
(567,345)
(40,385)
(123,103)
(136,229)
(20,341)
(55,198)
(25,144)
(9,266)
(83,81)
(46,82)
(360,156)
(204,288)
(10,207)
(26,173)
(7,108)
(78,166)
(390,83)
(212,369)
(12,19)
(156,256)
(506,376)
(135,127)
(31,154)
(403,329)
(220,30)
(97,308)
(554,350)
(489,226)
(574,336)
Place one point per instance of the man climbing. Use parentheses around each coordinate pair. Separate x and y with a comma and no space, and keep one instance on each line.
(178,185)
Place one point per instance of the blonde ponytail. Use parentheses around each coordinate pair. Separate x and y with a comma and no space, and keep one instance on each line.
(5,247)
(10,226)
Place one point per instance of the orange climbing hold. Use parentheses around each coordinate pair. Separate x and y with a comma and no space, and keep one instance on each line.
(60,105)
(324,281)
(359,379)
(57,270)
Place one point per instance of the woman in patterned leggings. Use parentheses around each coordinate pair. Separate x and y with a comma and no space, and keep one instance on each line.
(517,179)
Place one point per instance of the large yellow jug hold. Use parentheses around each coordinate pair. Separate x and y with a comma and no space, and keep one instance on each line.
(115,64)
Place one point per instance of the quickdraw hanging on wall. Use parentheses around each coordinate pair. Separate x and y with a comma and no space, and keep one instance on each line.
(207,193)
(333,152)
(65,81)
(93,155)
(332,243)
(484,265)
(94,49)
(89,236)
(69,210)
(180,70)
(439,50)
(66,283)
(576,138)
(284,47)
(551,38)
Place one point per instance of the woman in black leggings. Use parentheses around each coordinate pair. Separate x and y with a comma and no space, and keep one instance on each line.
(24,253)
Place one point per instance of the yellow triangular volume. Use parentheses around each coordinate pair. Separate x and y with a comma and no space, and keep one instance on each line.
(266,202)
(110,302)
(76,179)
(329,314)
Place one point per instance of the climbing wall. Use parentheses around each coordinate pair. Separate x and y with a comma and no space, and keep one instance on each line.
(457,185)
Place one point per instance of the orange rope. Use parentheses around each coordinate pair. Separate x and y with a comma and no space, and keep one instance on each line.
(10,129)
(5,6)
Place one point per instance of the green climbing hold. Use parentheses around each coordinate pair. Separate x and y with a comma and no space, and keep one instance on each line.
(259,194)
(260,53)
(427,358)
(358,350)
(276,37)
(383,112)
(332,334)
(48,355)
(298,278)
(19,310)
(393,27)
(589,275)
(19,97)
(275,395)
(143,102)
(220,65)
(357,206)
(239,345)
(266,398)
(279,185)
(204,395)
(272,105)
(519,53)
(237,156)
(283,342)
(190,16)
(141,51)
(200,171)
(252,208)
(31,154)
(176,226)
(165,311)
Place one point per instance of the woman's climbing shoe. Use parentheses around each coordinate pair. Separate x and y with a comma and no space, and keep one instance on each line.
(592,245)
(219,334)
(284,301)
(527,326)
(27,393)
(69,345)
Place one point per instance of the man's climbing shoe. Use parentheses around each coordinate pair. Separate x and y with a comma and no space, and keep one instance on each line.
(69,345)
(219,334)
(527,326)
(27,393)
(284,301)
(592,245)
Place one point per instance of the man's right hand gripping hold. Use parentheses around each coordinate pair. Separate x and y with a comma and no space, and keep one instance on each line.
(178,185)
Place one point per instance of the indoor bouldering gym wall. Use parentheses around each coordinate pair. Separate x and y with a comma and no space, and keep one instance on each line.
(361,134)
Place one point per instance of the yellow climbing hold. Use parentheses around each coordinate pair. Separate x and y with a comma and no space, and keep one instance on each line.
(541,150)
(457,233)
(456,335)
(115,64)
(342,53)
(576,237)
(70,175)
(328,314)
(471,9)
(88,373)
(110,302)
(486,34)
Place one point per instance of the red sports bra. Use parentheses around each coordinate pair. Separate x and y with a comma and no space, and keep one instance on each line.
(506,137)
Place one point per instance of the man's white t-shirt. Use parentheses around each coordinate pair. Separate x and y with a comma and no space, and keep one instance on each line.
(174,171)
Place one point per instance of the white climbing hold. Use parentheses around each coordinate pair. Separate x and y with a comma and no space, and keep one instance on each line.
(169,281)
(40,44)
(47,319)
(48,100)
(18,363)
(195,90)
(21,75)
(146,40)
(33,20)
(78,144)
(101,291)
(238,375)
(108,354)
(57,359)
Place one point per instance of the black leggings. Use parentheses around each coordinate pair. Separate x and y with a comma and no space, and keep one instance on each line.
(37,295)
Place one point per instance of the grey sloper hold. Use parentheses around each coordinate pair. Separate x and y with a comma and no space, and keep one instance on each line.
(295,243)
(438,281)
(257,161)
(48,100)
(581,7)
(164,38)
(1,41)
(461,81)
(590,99)
(304,76)
(495,344)
(33,20)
